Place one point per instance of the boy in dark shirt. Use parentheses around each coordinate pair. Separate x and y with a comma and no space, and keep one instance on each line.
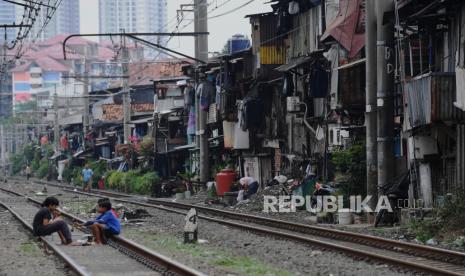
(106,224)
(47,221)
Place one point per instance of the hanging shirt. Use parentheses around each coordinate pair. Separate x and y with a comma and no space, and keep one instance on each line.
(204,92)
(191,122)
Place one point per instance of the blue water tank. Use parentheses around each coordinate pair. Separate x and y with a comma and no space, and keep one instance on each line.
(238,43)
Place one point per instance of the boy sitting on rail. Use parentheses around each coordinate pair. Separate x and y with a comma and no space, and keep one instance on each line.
(44,225)
(106,224)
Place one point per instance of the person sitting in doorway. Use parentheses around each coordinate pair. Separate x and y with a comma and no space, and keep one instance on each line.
(48,221)
(249,187)
(105,225)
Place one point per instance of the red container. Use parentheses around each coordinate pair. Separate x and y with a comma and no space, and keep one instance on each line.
(101,184)
(224,181)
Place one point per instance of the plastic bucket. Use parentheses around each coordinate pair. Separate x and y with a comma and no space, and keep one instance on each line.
(345,217)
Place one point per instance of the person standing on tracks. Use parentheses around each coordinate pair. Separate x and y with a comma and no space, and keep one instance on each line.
(87,174)
(106,224)
(47,221)
(28,172)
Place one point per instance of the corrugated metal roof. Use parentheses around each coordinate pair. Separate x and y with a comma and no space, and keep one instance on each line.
(71,120)
(345,27)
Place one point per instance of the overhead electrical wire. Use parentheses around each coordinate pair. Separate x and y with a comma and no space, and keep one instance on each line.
(29,18)
(177,29)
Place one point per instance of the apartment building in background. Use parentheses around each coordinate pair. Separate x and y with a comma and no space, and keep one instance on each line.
(140,16)
(7,17)
(65,21)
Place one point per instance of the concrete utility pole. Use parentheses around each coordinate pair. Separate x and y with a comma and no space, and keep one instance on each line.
(85,117)
(385,101)
(370,113)
(201,52)
(126,96)
(56,127)
(2,145)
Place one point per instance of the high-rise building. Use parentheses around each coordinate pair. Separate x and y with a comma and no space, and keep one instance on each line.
(133,16)
(7,17)
(65,21)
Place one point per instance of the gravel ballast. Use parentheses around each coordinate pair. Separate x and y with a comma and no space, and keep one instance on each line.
(21,254)
(226,250)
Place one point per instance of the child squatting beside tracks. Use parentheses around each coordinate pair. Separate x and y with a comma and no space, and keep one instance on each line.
(106,224)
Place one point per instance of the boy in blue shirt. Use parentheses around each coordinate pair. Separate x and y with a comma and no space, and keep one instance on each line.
(106,224)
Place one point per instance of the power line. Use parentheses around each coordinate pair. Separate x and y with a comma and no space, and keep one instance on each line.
(192,20)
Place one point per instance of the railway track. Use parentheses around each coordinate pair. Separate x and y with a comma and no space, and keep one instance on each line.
(411,256)
(122,257)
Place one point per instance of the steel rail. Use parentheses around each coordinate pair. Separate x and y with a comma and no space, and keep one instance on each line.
(400,246)
(170,266)
(79,270)
(295,237)
(443,255)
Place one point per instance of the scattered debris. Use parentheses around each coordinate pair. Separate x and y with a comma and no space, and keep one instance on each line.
(460,241)
(431,242)
(255,202)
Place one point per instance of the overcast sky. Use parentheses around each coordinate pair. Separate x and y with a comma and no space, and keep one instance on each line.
(220,28)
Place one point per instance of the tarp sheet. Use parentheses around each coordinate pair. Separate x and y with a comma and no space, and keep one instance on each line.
(347,28)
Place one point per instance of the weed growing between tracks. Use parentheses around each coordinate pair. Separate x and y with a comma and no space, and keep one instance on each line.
(29,249)
(221,259)
(80,206)
(447,223)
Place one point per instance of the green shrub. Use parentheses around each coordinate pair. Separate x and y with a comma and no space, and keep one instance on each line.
(131,181)
(35,164)
(28,152)
(99,168)
(67,174)
(114,180)
(143,184)
(44,167)
(17,163)
(71,174)
(351,164)
(48,150)
(424,229)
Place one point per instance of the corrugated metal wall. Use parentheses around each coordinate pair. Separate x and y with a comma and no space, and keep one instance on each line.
(443,94)
(460,157)
(419,101)
(431,98)
(305,39)
(272,55)
(272,51)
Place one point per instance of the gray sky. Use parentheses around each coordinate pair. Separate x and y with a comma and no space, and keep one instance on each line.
(221,29)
